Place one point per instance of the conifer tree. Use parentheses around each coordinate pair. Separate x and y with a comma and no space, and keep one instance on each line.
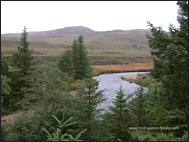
(85,108)
(8,75)
(80,60)
(120,117)
(22,60)
(45,85)
(170,54)
(83,61)
(65,63)
(74,49)
(138,106)
(5,88)
(4,65)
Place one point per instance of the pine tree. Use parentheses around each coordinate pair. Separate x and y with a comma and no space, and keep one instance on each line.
(22,60)
(74,49)
(85,108)
(58,136)
(5,88)
(80,59)
(4,65)
(44,85)
(65,63)
(170,54)
(120,117)
(167,103)
(138,106)
(83,61)
(9,75)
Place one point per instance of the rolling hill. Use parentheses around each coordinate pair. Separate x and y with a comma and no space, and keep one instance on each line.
(100,45)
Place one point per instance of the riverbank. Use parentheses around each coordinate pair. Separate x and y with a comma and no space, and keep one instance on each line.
(137,78)
(137,67)
(130,77)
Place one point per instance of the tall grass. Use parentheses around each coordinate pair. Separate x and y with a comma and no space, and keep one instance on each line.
(100,69)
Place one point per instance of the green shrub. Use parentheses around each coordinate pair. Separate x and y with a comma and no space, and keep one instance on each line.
(29,125)
(149,136)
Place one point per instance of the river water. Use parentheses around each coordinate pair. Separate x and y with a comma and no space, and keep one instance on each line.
(111,83)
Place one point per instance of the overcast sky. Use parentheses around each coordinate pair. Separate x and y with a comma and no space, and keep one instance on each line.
(97,15)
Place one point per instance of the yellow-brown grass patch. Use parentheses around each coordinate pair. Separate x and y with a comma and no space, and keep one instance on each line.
(99,69)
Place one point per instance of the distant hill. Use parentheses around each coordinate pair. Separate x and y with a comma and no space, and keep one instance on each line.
(68,31)
(105,44)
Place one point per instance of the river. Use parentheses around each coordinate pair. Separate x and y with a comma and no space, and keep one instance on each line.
(111,83)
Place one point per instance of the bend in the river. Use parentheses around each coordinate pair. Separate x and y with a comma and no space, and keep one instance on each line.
(111,83)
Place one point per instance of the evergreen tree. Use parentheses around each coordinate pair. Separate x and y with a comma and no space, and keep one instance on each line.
(22,60)
(4,65)
(85,108)
(65,63)
(45,85)
(9,99)
(182,18)
(5,88)
(83,61)
(45,95)
(74,49)
(171,58)
(138,106)
(58,136)
(80,60)
(120,118)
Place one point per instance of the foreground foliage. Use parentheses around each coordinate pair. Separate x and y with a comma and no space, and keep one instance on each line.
(65,137)
(138,136)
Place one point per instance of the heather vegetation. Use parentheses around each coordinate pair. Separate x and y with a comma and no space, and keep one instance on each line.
(57,98)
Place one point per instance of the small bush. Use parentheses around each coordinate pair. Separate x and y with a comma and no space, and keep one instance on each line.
(138,136)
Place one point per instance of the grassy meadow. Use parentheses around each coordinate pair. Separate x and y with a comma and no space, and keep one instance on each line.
(99,69)
(110,51)
(132,43)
